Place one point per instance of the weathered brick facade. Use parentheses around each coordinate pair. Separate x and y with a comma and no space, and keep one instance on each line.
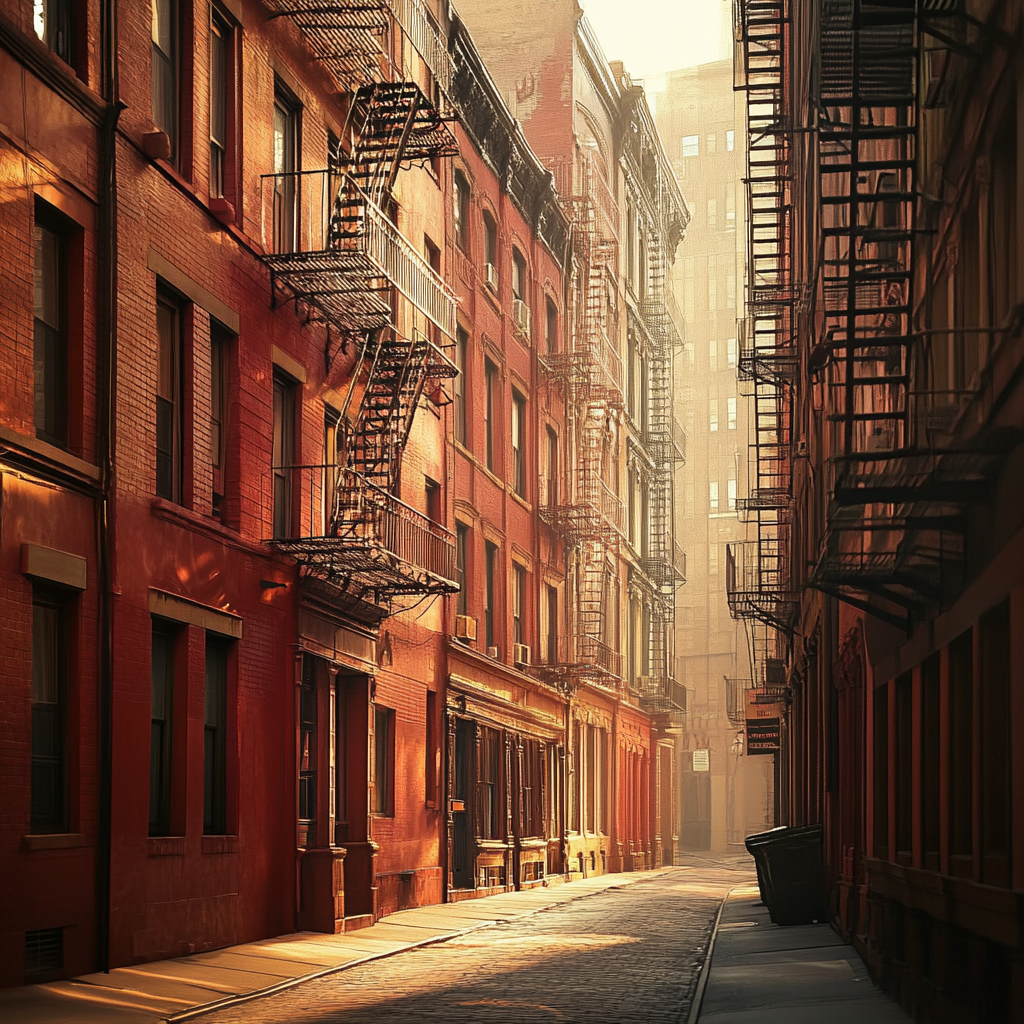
(242,643)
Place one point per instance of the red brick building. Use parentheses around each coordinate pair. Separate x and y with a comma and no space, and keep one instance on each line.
(237,311)
(242,481)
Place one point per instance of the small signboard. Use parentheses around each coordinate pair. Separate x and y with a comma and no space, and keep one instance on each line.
(702,761)
(763,725)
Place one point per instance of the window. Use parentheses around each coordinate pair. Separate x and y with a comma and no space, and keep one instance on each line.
(432,492)
(880,772)
(490,387)
(164,80)
(712,282)
(518,603)
(286,162)
(333,447)
(215,747)
(713,562)
(730,413)
(519,443)
(50,333)
(461,210)
(49,714)
(712,143)
(731,493)
(730,353)
(961,769)
(487,784)
(383,761)
(308,715)
(551,330)
(490,243)
(713,353)
(551,637)
(532,821)
(54,23)
(161,729)
(169,379)
(712,414)
(713,495)
(222,99)
(220,341)
(730,208)
(490,571)
(461,350)
(551,480)
(432,768)
(730,291)
(691,145)
(712,207)
(283,455)
(518,275)
(461,554)
(730,140)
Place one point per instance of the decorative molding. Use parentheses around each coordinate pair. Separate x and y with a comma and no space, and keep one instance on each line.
(53,566)
(163,268)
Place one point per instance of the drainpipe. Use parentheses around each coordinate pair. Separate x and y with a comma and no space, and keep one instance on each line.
(106,295)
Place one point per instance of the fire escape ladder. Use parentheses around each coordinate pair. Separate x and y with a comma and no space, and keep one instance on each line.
(332,249)
(758,572)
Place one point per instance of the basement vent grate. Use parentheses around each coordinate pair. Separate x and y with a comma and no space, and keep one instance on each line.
(44,951)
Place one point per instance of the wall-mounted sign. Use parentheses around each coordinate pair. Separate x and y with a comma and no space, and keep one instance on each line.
(763,725)
(702,761)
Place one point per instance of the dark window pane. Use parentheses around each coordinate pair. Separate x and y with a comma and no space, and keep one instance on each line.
(215,738)
(162,682)
(50,341)
(49,717)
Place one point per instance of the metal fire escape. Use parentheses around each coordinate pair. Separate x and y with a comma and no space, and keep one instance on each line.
(758,571)
(590,372)
(899,492)
(333,250)
(664,563)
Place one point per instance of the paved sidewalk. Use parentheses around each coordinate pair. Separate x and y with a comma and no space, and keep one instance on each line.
(188,986)
(763,974)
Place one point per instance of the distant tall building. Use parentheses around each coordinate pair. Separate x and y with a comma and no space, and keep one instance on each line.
(725,794)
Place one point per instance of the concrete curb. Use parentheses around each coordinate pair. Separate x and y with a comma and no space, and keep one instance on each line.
(705,971)
(243,997)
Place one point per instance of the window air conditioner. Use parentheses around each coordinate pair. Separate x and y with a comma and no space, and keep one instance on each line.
(521,315)
(493,652)
(465,627)
(491,276)
(522,654)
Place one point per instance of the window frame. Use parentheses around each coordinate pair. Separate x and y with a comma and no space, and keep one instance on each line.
(56,820)
(517,427)
(170,389)
(165,78)
(383,761)
(462,542)
(51,413)
(286,401)
(461,412)
(490,407)
(223,169)
(461,205)
(519,599)
(286,163)
(162,762)
(215,735)
(490,593)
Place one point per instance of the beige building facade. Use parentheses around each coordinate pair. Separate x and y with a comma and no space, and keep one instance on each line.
(724,793)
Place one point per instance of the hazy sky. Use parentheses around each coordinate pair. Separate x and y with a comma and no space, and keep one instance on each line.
(654,36)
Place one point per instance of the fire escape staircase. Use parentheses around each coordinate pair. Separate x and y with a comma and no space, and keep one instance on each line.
(758,571)
(592,521)
(332,249)
(900,493)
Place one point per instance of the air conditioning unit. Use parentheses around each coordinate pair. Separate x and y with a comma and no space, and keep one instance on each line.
(491,276)
(493,652)
(521,654)
(521,315)
(465,627)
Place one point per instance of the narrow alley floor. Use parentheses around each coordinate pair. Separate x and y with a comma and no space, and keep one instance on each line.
(806,974)
(609,950)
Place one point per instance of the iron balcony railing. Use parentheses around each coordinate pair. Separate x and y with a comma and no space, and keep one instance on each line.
(667,569)
(661,694)
(588,653)
(423,33)
(330,244)
(610,505)
(338,522)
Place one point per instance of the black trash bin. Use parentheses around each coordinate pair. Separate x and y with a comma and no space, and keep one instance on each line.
(790,874)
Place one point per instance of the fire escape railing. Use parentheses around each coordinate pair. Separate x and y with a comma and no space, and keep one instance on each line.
(758,571)
(332,250)
(898,491)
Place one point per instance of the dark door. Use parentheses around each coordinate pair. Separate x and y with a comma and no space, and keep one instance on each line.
(695,833)
(462,856)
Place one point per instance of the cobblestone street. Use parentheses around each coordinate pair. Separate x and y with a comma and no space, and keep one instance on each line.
(627,954)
